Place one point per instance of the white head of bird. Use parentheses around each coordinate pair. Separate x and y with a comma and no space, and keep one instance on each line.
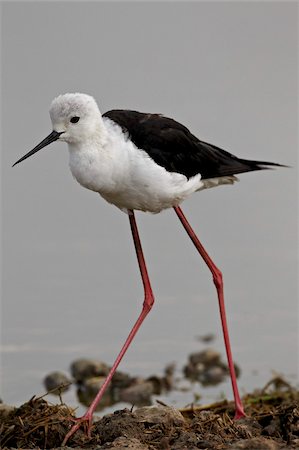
(76,117)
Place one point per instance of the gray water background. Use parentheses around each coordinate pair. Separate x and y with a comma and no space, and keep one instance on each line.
(70,281)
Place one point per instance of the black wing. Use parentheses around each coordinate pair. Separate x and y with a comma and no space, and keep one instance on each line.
(171,145)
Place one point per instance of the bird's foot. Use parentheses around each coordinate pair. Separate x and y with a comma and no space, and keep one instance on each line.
(85,421)
(239,413)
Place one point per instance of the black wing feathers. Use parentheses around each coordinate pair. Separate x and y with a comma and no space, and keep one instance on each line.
(171,145)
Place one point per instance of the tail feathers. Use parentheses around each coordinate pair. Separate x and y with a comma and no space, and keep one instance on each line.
(213,162)
(236,166)
(260,165)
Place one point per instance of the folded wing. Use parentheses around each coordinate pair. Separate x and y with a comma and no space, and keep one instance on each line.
(171,145)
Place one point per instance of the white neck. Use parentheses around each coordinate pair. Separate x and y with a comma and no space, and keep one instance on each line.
(90,159)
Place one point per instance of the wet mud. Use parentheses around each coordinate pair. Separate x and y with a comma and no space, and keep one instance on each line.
(271,422)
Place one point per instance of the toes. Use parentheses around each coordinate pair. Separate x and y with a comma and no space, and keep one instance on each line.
(86,422)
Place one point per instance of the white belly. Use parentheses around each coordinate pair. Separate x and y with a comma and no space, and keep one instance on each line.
(147,196)
(128,178)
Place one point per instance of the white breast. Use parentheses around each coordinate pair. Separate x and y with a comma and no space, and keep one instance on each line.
(126,176)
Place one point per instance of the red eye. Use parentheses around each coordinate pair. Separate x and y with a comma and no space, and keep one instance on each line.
(75,119)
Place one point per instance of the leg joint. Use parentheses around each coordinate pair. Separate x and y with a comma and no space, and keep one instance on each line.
(149,300)
(218,278)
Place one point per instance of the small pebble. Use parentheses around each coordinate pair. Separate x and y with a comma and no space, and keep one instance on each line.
(89,389)
(206,338)
(207,368)
(165,415)
(5,410)
(158,384)
(81,369)
(208,357)
(213,376)
(121,380)
(57,382)
(138,394)
(193,371)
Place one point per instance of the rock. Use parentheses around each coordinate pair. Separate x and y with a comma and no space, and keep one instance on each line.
(92,385)
(120,423)
(81,369)
(138,394)
(207,368)
(161,424)
(164,383)
(165,415)
(206,338)
(193,372)
(89,389)
(5,410)
(121,380)
(212,376)
(170,369)
(57,382)
(208,357)
(158,384)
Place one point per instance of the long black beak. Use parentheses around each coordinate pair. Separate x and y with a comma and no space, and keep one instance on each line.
(51,138)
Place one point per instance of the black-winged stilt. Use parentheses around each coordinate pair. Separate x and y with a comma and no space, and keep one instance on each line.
(144,162)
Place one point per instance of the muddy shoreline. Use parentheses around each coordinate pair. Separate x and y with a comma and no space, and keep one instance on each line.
(271,422)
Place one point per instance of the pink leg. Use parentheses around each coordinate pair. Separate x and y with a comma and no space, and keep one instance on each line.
(217,278)
(147,305)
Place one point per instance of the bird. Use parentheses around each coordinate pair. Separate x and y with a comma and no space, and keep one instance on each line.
(143,162)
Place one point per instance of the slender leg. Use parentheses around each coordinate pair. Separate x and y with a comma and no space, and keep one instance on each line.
(217,278)
(147,305)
